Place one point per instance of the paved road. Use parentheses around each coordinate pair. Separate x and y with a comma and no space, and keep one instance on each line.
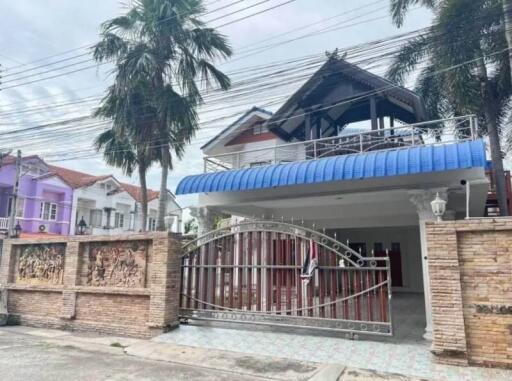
(24,357)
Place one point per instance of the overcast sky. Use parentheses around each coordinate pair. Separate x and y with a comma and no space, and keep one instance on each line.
(32,30)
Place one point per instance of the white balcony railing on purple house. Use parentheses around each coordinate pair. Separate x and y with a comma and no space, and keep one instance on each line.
(432,132)
(4,223)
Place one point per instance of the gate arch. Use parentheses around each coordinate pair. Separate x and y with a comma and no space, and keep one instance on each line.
(257,272)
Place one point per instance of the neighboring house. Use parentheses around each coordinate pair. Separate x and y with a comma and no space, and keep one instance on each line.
(44,199)
(110,207)
(351,155)
(54,200)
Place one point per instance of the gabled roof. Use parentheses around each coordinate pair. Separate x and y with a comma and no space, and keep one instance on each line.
(322,81)
(228,131)
(135,192)
(77,179)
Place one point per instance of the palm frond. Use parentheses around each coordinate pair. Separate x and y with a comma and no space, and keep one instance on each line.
(399,8)
(408,58)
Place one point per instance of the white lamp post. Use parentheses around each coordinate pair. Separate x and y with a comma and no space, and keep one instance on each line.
(438,207)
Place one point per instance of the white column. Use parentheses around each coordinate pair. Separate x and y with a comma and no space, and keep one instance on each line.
(205,217)
(422,199)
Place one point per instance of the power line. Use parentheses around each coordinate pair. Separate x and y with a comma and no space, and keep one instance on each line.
(371,93)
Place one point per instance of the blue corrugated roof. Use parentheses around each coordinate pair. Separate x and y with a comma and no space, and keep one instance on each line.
(396,162)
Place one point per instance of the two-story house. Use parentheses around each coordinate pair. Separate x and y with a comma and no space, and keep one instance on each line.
(53,200)
(353,157)
(44,200)
(108,206)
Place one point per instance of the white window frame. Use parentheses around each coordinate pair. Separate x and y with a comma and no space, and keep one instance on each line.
(259,129)
(48,211)
(96,218)
(119,220)
(20,207)
(151,224)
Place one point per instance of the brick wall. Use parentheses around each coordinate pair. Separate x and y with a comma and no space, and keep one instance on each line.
(141,301)
(470,266)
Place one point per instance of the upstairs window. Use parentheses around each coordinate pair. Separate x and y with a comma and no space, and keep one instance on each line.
(259,129)
(119,220)
(20,207)
(152,223)
(96,217)
(48,211)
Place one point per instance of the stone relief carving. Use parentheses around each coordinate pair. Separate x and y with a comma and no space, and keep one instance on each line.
(40,264)
(117,264)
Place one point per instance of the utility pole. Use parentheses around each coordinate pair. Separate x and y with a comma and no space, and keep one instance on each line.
(12,215)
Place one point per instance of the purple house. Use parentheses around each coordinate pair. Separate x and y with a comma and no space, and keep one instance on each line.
(44,199)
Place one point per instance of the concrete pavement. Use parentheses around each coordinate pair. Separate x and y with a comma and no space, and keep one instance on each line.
(40,354)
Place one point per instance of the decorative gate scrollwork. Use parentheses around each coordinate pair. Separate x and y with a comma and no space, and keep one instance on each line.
(255,272)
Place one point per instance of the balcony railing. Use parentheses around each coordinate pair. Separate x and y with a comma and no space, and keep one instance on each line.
(4,223)
(433,132)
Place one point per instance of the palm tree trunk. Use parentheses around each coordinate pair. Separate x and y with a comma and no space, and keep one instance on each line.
(507,15)
(143,197)
(494,138)
(162,199)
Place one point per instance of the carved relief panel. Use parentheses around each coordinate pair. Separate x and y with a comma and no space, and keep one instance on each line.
(40,264)
(115,264)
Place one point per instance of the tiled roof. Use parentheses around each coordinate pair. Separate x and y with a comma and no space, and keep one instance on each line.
(77,179)
(134,191)
(74,178)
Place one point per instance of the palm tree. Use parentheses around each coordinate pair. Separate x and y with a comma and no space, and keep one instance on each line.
(470,32)
(120,153)
(164,45)
(127,144)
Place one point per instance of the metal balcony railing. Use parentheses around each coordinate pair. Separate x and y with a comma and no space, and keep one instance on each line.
(433,132)
(4,223)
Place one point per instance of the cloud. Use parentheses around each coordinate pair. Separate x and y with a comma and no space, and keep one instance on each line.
(31,29)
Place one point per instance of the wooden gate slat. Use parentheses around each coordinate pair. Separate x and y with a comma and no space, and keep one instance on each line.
(288,262)
(249,271)
(204,276)
(231,271)
(269,275)
(259,237)
(240,270)
(222,277)
(298,281)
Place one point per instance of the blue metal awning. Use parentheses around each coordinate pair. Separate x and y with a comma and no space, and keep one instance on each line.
(396,162)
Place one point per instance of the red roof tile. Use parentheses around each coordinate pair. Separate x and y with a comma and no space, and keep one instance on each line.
(78,179)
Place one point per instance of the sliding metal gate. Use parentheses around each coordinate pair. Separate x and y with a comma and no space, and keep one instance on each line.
(253,272)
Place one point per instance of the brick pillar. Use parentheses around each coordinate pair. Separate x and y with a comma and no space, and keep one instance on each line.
(165,283)
(71,263)
(5,263)
(449,336)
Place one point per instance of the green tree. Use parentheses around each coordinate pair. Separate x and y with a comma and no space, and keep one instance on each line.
(471,32)
(191,226)
(163,45)
(127,144)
